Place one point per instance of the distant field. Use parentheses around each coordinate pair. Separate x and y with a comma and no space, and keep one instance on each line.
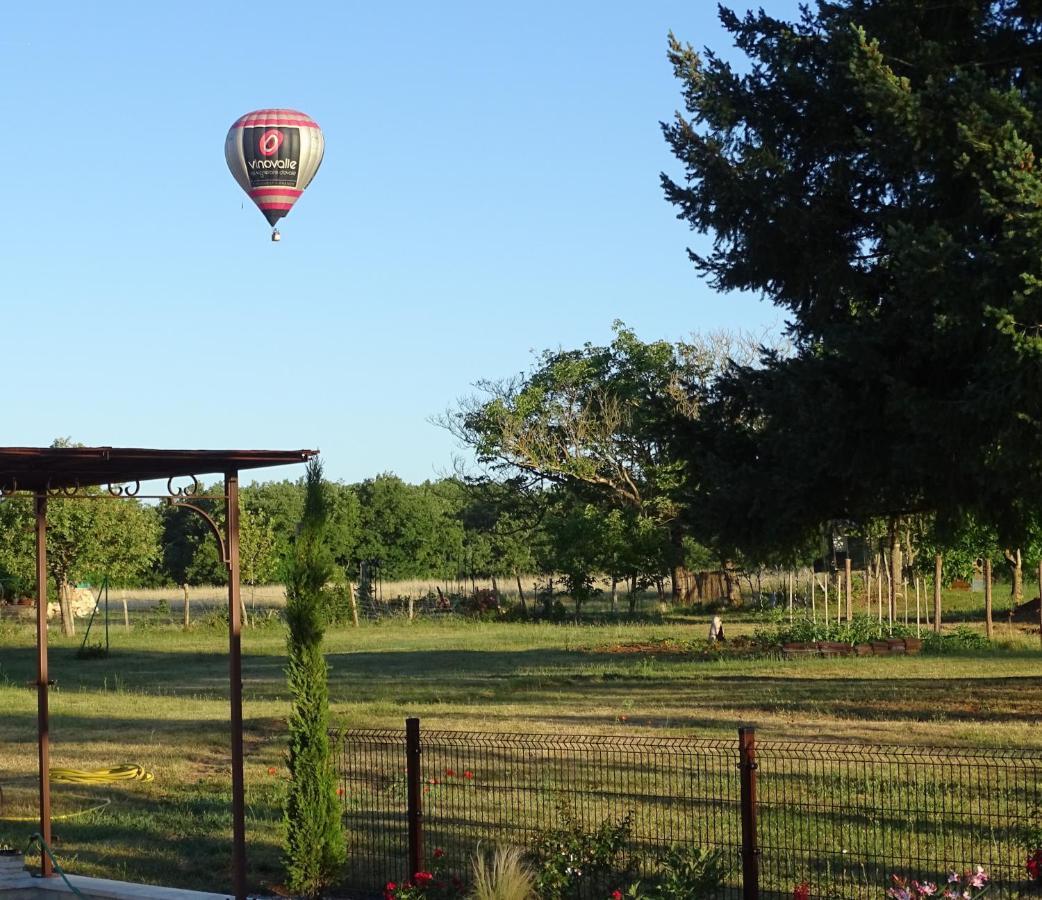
(958,605)
(160,699)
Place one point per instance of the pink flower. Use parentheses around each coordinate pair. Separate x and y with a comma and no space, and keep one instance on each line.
(980,878)
(801,891)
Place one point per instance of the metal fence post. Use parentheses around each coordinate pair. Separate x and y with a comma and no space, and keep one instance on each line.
(750,851)
(414,809)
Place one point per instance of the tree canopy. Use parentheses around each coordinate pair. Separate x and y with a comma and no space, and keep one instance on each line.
(872,171)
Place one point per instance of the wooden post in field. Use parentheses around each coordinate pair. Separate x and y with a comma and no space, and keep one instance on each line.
(849,576)
(187,622)
(904,591)
(813,602)
(879,593)
(868,590)
(354,603)
(826,598)
(987,599)
(917,613)
(1040,600)
(790,590)
(937,591)
(126,612)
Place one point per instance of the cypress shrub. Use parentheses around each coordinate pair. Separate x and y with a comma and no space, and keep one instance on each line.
(315,848)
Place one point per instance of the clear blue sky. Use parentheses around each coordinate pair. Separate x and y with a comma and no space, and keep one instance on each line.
(490,187)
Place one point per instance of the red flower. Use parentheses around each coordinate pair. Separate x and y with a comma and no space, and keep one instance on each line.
(340,792)
(272,770)
(801,891)
(423,878)
(616,895)
(450,773)
(389,890)
(438,853)
(1034,865)
(468,774)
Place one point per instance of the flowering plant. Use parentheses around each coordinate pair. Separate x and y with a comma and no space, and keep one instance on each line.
(427,885)
(572,857)
(968,886)
(1034,865)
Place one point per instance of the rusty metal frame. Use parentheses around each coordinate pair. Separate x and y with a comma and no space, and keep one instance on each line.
(228,546)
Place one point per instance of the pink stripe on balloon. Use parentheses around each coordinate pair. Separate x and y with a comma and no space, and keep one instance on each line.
(275,192)
(262,117)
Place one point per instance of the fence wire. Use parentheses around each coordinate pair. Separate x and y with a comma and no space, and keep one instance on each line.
(842,818)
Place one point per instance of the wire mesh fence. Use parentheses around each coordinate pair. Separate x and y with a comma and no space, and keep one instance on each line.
(841,818)
(847,817)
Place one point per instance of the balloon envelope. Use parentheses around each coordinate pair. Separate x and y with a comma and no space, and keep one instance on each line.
(274,154)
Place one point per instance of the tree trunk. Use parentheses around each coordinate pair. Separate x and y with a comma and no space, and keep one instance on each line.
(521,593)
(676,562)
(734,588)
(633,595)
(987,598)
(615,594)
(937,561)
(1016,570)
(65,607)
(187,616)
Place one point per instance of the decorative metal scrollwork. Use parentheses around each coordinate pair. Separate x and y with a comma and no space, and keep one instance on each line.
(130,489)
(63,490)
(188,490)
(179,502)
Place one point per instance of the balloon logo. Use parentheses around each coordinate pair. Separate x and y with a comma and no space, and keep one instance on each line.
(270,142)
(274,154)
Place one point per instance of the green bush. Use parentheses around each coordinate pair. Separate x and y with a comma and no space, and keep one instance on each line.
(572,860)
(684,873)
(962,640)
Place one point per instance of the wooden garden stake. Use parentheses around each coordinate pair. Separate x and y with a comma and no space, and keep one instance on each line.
(937,591)
(987,599)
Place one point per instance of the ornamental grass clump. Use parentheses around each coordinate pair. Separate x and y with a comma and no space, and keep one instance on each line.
(315,849)
(506,877)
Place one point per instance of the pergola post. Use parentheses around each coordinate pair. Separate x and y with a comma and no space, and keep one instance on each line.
(42,682)
(231,492)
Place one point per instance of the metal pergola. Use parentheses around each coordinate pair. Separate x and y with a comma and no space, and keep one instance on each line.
(64,472)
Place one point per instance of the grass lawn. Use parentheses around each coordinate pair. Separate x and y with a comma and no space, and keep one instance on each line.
(160,699)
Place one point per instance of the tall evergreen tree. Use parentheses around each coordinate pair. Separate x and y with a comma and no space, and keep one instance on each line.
(315,847)
(872,172)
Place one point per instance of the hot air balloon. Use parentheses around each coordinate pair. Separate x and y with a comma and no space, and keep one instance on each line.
(274,154)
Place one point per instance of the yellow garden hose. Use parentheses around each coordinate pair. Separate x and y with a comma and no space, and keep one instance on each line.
(128,772)
(101,776)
